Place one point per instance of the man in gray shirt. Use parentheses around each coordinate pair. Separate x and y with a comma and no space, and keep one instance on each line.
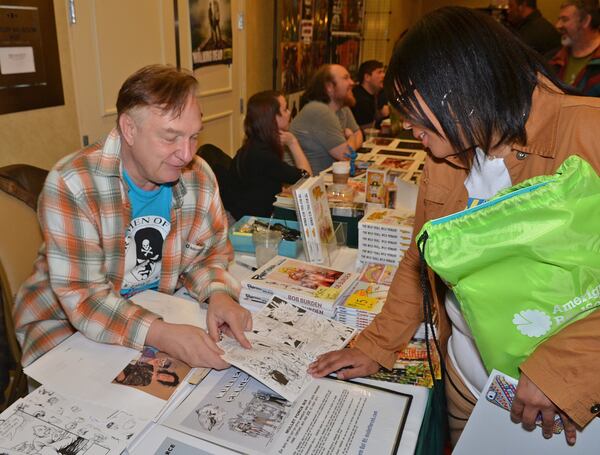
(325,126)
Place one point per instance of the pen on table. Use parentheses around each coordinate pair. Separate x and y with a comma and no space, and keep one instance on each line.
(247,266)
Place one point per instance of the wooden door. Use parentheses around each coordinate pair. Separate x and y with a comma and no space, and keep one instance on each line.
(110,39)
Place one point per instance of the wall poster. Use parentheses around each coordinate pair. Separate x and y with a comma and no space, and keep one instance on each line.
(212,38)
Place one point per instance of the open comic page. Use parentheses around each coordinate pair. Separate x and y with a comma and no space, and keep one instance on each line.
(285,339)
(231,409)
(46,423)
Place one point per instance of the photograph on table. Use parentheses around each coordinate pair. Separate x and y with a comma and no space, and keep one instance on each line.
(211,34)
(154,372)
(389,152)
(395,163)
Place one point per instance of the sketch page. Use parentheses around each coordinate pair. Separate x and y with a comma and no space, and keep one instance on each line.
(84,369)
(234,410)
(175,309)
(285,340)
(24,433)
(112,426)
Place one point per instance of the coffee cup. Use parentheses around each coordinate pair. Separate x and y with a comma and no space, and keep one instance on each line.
(341,172)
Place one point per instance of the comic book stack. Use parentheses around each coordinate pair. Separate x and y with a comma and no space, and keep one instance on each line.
(412,365)
(312,209)
(313,287)
(384,235)
(367,295)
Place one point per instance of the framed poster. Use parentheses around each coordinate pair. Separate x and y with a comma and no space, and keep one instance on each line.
(29,63)
(212,38)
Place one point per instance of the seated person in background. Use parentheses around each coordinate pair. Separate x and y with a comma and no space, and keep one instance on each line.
(325,126)
(258,171)
(473,155)
(111,213)
(577,63)
(371,103)
(533,29)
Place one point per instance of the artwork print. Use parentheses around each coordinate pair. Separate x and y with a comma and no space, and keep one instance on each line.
(210,27)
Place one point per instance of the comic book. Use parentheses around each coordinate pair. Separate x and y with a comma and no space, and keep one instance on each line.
(313,287)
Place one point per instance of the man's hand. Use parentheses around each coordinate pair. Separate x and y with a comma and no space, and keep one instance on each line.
(185,342)
(228,317)
(529,402)
(348,133)
(349,363)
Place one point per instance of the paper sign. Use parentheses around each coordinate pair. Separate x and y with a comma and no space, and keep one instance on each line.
(16,60)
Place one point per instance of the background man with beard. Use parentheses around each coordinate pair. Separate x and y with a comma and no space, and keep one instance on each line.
(578,61)
(325,126)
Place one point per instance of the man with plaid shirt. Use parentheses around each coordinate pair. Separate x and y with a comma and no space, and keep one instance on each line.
(137,211)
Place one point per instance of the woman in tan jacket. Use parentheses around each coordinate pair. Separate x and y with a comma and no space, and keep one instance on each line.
(491,115)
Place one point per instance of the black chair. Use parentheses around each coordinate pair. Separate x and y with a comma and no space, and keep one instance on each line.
(219,162)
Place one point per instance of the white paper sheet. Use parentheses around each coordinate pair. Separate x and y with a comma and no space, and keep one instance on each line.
(16,60)
(234,410)
(175,309)
(490,431)
(82,368)
(47,418)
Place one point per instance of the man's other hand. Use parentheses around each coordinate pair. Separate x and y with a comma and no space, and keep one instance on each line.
(529,402)
(228,317)
(348,363)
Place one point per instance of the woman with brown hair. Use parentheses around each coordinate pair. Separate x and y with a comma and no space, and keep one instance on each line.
(258,171)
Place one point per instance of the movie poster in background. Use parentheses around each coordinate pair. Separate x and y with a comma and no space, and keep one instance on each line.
(210,25)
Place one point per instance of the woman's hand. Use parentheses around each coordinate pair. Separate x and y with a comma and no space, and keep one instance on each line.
(529,402)
(349,363)
(287,138)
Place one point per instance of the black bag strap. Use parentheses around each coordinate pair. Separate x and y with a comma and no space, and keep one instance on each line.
(426,287)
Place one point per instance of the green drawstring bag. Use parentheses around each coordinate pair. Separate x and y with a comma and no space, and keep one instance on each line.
(524,264)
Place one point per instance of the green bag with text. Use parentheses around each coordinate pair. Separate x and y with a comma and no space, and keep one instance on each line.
(524,264)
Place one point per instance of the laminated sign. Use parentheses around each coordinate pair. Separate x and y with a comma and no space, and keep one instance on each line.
(523,265)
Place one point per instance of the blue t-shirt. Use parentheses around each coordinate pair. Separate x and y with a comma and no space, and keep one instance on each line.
(145,235)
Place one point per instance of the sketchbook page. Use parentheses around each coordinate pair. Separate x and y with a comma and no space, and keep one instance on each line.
(175,309)
(25,433)
(110,429)
(84,369)
(161,440)
(490,430)
(234,410)
(285,340)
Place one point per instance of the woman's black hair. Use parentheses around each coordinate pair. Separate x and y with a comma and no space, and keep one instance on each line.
(474,74)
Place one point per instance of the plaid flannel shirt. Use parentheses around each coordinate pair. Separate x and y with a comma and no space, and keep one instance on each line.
(84,212)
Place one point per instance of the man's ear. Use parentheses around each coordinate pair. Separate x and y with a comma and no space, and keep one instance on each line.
(329,88)
(128,128)
(586,21)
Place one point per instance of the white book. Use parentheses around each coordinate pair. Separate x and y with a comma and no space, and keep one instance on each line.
(315,218)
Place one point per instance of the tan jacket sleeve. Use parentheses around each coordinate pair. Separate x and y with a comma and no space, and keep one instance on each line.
(566,368)
(402,313)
